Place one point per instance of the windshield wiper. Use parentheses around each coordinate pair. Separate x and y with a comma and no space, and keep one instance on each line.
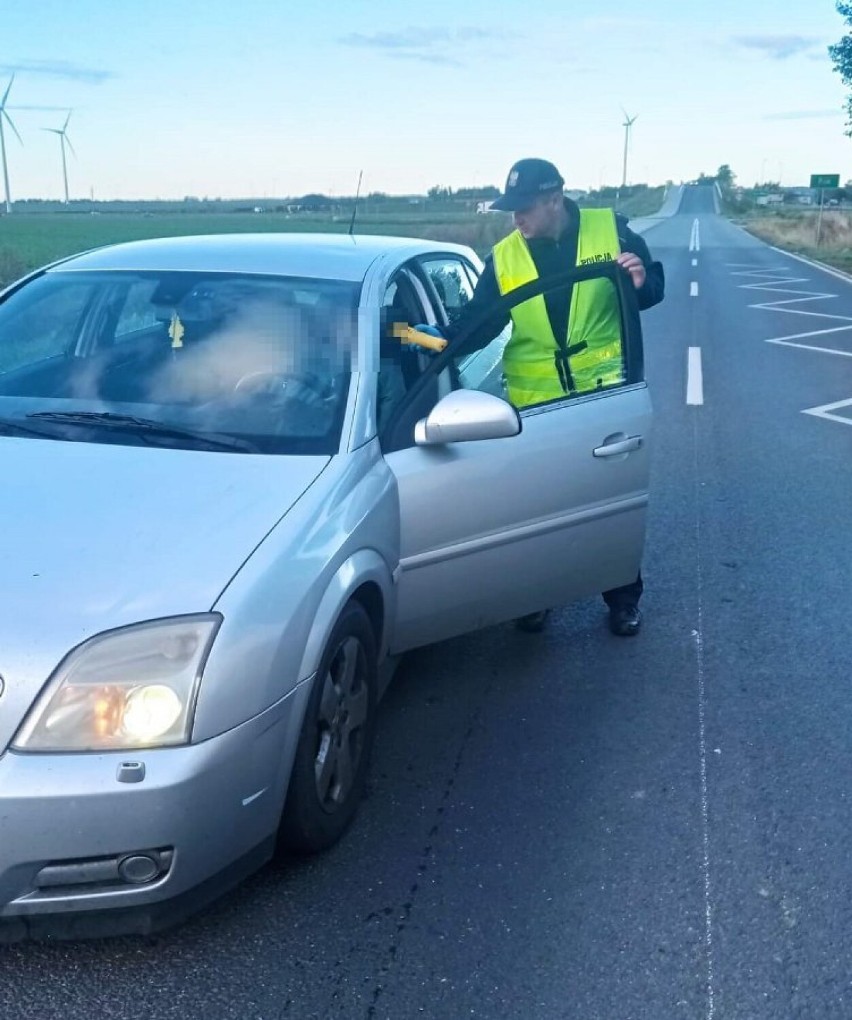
(17,428)
(143,427)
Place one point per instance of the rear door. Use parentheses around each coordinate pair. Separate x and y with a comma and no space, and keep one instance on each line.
(494,529)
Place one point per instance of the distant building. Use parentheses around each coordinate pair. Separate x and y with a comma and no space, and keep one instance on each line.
(799,196)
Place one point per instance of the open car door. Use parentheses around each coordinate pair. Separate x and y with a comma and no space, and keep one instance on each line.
(495,528)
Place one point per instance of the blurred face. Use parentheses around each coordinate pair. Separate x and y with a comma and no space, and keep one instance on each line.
(543,219)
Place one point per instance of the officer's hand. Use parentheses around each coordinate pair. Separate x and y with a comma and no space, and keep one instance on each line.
(635,266)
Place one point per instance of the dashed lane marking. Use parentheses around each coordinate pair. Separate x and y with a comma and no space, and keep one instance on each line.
(694,378)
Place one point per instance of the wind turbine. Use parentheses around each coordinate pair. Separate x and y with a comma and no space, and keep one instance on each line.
(628,124)
(63,140)
(4,115)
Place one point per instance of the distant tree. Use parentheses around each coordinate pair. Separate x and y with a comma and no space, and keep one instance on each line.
(725,177)
(482,192)
(841,57)
(439,191)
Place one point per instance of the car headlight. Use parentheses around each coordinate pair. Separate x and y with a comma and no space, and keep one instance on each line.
(128,688)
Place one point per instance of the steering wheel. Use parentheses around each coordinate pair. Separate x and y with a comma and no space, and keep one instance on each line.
(301,386)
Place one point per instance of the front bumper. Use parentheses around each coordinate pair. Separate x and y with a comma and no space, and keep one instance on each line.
(205,814)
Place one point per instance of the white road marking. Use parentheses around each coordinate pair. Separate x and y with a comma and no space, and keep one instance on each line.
(770,280)
(695,237)
(694,378)
(695,262)
(825,410)
(785,342)
(693,289)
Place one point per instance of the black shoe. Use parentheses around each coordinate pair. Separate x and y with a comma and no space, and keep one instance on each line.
(625,621)
(533,623)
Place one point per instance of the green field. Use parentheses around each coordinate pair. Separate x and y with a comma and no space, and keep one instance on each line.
(29,240)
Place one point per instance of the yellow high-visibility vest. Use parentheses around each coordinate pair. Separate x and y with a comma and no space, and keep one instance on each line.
(537,368)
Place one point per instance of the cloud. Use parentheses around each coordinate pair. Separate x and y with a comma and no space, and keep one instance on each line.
(778,47)
(803,114)
(41,109)
(442,60)
(442,46)
(58,69)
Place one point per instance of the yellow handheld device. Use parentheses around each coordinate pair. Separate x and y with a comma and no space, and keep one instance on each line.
(409,335)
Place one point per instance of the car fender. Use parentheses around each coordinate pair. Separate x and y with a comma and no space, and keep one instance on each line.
(276,747)
(364,567)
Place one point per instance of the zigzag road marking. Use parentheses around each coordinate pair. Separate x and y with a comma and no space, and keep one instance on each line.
(778,281)
(825,411)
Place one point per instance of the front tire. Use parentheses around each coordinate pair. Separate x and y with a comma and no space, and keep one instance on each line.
(330,766)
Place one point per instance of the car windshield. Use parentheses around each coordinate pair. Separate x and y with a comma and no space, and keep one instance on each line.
(219,361)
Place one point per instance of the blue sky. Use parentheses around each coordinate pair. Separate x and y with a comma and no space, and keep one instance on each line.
(272,98)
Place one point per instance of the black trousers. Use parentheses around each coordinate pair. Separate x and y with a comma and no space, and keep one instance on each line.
(626,596)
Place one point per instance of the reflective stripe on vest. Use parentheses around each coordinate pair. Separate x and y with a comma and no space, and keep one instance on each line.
(537,368)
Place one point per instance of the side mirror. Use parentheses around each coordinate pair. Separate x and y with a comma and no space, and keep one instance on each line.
(465,416)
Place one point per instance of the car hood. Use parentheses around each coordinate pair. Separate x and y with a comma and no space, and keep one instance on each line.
(96,536)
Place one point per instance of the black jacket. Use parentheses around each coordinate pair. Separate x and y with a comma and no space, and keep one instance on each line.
(552,257)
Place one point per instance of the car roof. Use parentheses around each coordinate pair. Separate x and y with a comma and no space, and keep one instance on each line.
(317,256)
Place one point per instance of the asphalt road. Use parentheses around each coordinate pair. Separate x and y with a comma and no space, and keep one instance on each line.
(572,825)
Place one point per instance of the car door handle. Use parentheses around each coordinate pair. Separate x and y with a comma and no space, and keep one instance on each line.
(617,447)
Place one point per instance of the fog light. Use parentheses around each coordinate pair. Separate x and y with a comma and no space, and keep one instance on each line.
(138,869)
(80,876)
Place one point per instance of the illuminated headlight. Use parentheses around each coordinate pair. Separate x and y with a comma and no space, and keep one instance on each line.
(128,688)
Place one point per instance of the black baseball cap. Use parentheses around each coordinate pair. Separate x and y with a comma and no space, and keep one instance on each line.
(528,180)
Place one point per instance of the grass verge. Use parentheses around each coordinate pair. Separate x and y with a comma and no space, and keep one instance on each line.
(795,231)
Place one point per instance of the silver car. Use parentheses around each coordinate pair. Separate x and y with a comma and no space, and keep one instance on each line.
(231,497)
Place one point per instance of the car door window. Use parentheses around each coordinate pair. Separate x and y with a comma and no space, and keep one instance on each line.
(399,366)
(564,368)
(452,282)
(137,313)
(51,316)
(611,360)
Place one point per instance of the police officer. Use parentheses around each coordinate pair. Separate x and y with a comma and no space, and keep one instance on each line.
(552,234)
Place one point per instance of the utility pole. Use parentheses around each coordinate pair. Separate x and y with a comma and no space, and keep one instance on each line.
(819,216)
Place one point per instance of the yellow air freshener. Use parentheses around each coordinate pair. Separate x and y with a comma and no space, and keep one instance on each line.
(176,331)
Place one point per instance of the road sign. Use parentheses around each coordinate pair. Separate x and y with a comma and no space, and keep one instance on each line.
(825,180)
